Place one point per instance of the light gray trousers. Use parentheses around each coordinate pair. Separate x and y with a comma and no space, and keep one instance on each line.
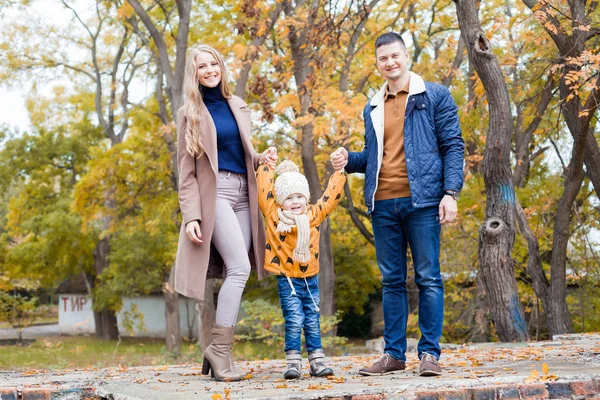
(232,236)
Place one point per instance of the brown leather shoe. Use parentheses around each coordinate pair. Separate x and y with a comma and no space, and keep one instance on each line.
(385,365)
(429,366)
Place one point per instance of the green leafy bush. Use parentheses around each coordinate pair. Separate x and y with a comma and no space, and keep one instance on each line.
(264,322)
(18,311)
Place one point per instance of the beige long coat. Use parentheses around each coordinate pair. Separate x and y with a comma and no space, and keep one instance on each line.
(197,200)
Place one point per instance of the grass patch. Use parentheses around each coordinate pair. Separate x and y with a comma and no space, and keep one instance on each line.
(70,352)
(76,352)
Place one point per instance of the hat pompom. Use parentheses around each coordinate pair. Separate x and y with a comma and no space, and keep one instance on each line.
(286,166)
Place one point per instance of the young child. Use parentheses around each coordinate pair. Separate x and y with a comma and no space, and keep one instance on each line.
(292,253)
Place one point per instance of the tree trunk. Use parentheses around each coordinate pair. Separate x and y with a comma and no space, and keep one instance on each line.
(174,76)
(206,314)
(592,160)
(174,89)
(571,43)
(110,330)
(173,333)
(326,275)
(413,293)
(534,263)
(480,331)
(557,311)
(559,320)
(301,51)
(496,236)
(106,320)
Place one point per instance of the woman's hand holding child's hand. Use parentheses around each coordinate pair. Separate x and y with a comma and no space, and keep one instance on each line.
(269,157)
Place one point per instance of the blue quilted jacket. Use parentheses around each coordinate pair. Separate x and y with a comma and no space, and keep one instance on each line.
(433,144)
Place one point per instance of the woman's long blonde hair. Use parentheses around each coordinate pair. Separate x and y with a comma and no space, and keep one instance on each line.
(192,98)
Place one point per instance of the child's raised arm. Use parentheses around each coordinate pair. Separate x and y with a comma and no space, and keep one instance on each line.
(266,191)
(331,197)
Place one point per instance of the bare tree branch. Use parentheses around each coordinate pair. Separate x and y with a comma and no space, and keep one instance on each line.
(354,215)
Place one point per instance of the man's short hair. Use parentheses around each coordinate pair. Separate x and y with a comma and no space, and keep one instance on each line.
(389,38)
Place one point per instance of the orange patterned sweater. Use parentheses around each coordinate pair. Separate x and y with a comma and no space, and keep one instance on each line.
(280,246)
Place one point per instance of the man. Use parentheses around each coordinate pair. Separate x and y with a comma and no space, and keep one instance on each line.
(413,164)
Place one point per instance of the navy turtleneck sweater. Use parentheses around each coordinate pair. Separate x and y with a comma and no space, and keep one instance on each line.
(231,155)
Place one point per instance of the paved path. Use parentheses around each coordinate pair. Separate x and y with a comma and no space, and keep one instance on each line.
(566,368)
(32,332)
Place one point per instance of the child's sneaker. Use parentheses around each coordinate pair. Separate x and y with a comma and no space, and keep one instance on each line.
(293,360)
(317,364)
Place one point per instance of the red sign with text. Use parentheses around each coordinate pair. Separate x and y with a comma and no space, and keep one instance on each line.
(75,304)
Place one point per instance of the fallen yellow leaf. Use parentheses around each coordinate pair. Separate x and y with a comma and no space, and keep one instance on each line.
(545,369)
(535,374)
(319,387)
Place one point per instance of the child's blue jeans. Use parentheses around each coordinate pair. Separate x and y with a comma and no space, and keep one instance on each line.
(300,310)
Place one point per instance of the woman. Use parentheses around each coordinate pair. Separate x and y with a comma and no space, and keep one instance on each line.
(218,198)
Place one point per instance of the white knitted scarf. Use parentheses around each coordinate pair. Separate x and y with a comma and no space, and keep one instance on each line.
(286,221)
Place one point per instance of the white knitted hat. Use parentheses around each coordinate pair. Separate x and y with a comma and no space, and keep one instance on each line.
(290,181)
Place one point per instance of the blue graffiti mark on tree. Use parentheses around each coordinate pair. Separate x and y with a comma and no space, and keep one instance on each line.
(520,323)
(508,194)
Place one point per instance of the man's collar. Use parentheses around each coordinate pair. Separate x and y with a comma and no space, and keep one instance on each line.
(389,94)
(416,86)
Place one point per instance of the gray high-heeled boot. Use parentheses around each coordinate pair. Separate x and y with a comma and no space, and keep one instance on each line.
(217,356)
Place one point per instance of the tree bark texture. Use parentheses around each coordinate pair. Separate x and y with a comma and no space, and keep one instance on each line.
(354,216)
(497,234)
(106,320)
(591,158)
(326,275)
(534,263)
(173,334)
(206,314)
(481,330)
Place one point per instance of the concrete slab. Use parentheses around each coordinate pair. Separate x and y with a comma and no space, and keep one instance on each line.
(561,369)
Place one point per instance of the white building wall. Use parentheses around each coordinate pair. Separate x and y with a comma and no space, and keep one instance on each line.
(75,316)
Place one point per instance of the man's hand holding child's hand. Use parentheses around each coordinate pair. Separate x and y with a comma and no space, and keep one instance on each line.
(339,159)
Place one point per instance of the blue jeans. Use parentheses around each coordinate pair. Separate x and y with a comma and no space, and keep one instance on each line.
(299,311)
(396,224)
